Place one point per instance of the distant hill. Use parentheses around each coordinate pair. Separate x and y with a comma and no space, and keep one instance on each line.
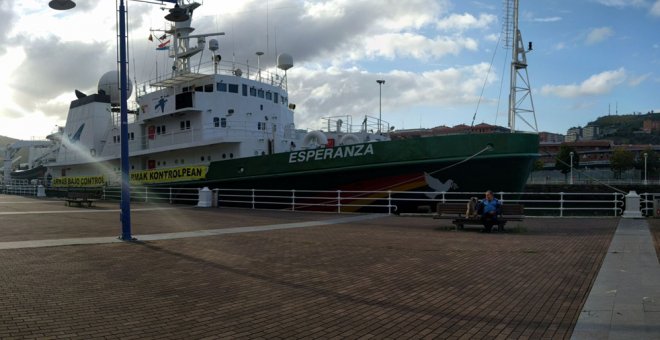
(626,129)
(6,140)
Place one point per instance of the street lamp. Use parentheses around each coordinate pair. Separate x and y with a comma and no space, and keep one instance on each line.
(380,100)
(176,14)
(646,155)
(571,153)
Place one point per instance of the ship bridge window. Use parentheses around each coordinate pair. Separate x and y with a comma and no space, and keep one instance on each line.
(216,121)
(131,136)
(253,92)
(245,90)
(184,125)
(222,87)
(269,95)
(261,126)
(208,88)
(199,89)
(275,97)
(233,88)
(223,122)
(260,93)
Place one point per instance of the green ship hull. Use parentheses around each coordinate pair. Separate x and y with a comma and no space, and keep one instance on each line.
(462,162)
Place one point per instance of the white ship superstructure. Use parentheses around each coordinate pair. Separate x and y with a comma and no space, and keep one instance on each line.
(191,117)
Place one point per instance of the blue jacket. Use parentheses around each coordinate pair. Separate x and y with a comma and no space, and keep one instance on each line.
(486,206)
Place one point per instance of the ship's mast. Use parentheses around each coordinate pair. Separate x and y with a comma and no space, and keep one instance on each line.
(181,33)
(513,39)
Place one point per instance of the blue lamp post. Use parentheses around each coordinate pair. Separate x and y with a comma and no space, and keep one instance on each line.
(176,14)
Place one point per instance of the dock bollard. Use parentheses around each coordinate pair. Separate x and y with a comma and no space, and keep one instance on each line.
(41,191)
(632,206)
(204,198)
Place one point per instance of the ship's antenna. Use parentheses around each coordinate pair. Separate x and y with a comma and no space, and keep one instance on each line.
(518,69)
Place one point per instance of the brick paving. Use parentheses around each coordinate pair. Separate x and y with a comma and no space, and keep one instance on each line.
(654,226)
(392,277)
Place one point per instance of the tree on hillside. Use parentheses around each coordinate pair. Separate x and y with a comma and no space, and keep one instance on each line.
(538,165)
(563,159)
(620,161)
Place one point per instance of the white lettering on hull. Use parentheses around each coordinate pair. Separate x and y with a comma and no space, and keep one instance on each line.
(358,150)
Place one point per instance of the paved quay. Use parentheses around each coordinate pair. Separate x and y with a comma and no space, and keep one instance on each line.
(234,273)
(624,302)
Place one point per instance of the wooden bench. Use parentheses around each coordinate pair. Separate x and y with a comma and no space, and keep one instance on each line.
(81,198)
(456,213)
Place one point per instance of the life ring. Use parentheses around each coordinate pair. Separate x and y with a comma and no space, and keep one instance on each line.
(315,138)
(349,139)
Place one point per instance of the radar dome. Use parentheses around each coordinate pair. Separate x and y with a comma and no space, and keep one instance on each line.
(284,61)
(109,84)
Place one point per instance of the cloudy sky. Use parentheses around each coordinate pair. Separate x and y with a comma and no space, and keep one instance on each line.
(590,57)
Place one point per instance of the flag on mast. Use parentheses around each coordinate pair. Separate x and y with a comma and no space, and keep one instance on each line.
(164,46)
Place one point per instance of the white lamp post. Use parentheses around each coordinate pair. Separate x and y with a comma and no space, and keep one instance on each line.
(380,100)
(571,180)
(646,155)
(176,14)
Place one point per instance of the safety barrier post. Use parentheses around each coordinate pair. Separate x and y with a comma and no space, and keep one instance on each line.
(561,204)
(293,200)
(389,202)
(339,201)
(253,199)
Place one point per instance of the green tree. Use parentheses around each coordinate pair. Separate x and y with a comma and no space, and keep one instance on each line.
(538,165)
(563,159)
(620,161)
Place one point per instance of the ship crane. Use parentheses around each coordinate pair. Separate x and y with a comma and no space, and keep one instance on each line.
(521,104)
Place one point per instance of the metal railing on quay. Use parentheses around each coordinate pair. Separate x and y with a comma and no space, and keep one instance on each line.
(558,204)
(155,194)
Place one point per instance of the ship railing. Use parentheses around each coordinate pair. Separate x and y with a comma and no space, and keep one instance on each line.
(236,131)
(241,70)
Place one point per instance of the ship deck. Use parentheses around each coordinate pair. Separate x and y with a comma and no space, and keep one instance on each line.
(236,273)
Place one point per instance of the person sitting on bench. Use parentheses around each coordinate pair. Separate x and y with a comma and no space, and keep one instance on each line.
(489,209)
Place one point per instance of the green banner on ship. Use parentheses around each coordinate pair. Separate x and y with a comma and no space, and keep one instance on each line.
(82,181)
(183,173)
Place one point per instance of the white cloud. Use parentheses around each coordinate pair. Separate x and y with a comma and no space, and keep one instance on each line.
(655,9)
(597,84)
(600,34)
(622,3)
(548,19)
(410,45)
(465,21)
(334,91)
(635,81)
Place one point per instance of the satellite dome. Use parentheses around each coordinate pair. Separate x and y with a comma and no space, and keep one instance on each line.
(284,61)
(109,84)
